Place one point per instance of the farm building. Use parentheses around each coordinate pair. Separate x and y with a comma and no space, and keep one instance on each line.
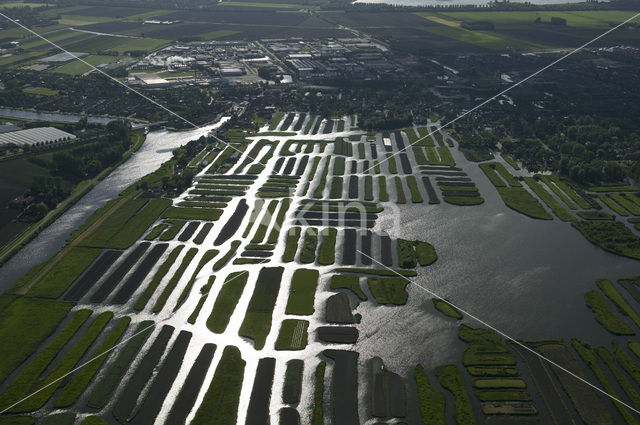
(35,137)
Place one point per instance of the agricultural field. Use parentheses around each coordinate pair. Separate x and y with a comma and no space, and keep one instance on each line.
(511,29)
(286,261)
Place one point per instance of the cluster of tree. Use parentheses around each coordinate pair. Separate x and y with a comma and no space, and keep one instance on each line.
(478,25)
(48,192)
(185,153)
(268,72)
(71,165)
(580,123)
(554,21)
(178,182)
(30,16)
(378,121)
(182,177)
(590,150)
(89,159)
(96,95)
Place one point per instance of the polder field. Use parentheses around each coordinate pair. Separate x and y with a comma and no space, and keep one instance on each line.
(512,29)
(71,28)
(277,288)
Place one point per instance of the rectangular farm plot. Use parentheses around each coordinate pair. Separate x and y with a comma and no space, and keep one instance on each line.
(121,227)
(226,301)
(257,322)
(293,335)
(302,292)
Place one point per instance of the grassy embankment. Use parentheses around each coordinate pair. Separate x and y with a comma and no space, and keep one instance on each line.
(513,194)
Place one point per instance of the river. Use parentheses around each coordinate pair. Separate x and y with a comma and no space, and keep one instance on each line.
(156,149)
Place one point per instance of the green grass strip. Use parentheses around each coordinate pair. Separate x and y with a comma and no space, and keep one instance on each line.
(627,363)
(156,231)
(258,318)
(391,161)
(383,195)
(204,293)
(127,233)
(416,197)
(451,379)
(350,282)
(157,278)
(388,290)
(489,169)
(445,155)
(273,122)
(613,206)
(64,273)
(220,403)
(226,301)
(431,401)
(208,256)
(509,160)
(401,198)
(368,188)
(625,203)
(293,335)
(614,189)
(605,315)
(308,252)
(257,207)
(551,202)
(317,416)
(337,184)
(569,190)
(101,393)
(48,385)
(292,387)
(81,379)
(317,193)
(66,418)
(277,226)
(171,285)
(327,248)
(614,295)
(207,214)
(624,383)
(312,173)
(518,199)
(506,175)
(172,232)
(261,231)
(22,384)
(302,292)
(291,246)
(24,324)
(589,357)
(377,272)
(551,184)
(225,259)
(418,153)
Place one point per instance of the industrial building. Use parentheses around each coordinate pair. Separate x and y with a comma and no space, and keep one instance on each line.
(36,137)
